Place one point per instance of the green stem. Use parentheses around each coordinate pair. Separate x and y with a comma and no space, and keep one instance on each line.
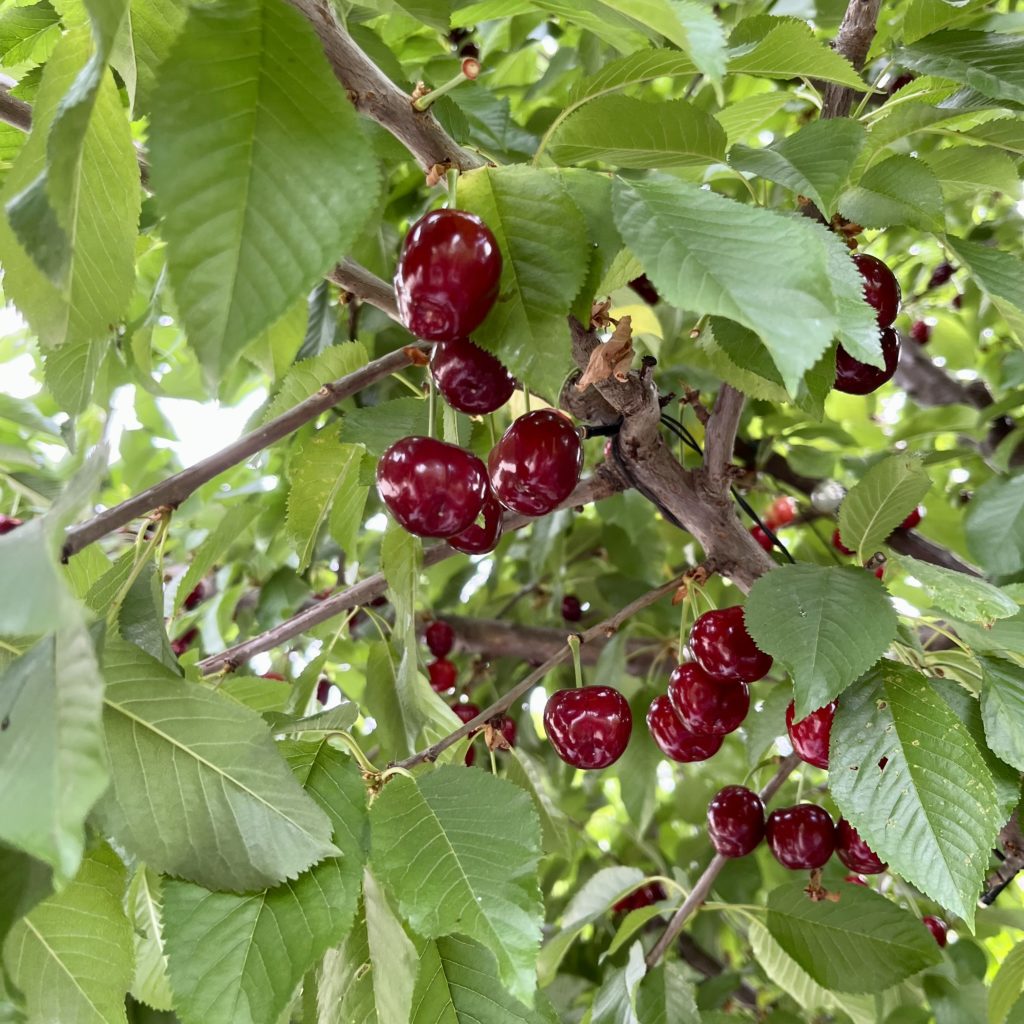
(424,102)
(573,641)
(453,185)
(357,751)
(431,401)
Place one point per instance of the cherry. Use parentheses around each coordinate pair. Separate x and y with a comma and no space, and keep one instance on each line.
(899,82)
(781,512)
(432,488)
(855,853)
(837,543)
(447,276)
(8,523)
(184,642)
(913,519)
(466,713)
(801,837)
(856,378)
(941,274)
(735,821)
(674,740)
(881,289)
(704,706)
(651,892)
(722,647)
(588,727)
(762,538)
(810,736)
(879,572)
(323,689)
(572,610)
(440,638)
(443,675)
(957,301)
(195,597)
(469,377)
(507,728)
(937,927)
(480,538)
(857,880)
(643,287)
(537,463)
(273,675)
(921,332)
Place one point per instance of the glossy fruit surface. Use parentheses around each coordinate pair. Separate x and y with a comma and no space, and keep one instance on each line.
(762,538)
(447,276)
(323,689)
(856,378)
(801,837)
(937,927)
(195,597)
(572,610)
(921,332)
(537,463)
(857,880)
(440,638)
(913,519)
(651,892)
(466,713)
(837,543)
(589,727)
(8,523)
(443,675)
(735,821)
(674,740)
(470,378)
(508,729)
(855,853)
(433,489)
(705,707)
(941,274)
(481,537)
(811,735)
(721,645)
(881,289)
(781,512)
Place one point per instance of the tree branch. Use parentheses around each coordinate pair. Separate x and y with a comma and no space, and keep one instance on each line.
(1011,839)
(720,436)
(853,41)
(13,111)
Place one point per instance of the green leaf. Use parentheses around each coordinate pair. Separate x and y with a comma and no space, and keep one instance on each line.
(265,177)
(861,943)
(199,790)
(931,811)
(1002,709)
(1000,275)
(635,69)
(615,1002)
(233,526)
(377,427)
(887,493)
(900,190)
(71,958)
(341,716)
(155,25)
(459,850)
(673,133)
(1006,133)
(145,906)
(923,17)
(801,614)
(24,882)
(965,170)
(814,162)
(27,555)
(543,240)
(744,117)
(307,377)
(1006,985)
(957,594)
(257,693)
(71,370)
(667,997)
(698,247)
(994,525)
(401,556)
(991,63)
(28,34)
(525,772)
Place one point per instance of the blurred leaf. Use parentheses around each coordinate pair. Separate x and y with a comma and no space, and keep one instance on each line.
(994,525)
(999,274)
(1002,709)
(993,64)
(1006,985)
(233,526)
(956,593)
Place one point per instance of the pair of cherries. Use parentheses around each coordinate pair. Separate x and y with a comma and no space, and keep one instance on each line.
(881,291)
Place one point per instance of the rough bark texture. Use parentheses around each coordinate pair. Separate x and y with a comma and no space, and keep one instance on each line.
(853,41)
(1011,840)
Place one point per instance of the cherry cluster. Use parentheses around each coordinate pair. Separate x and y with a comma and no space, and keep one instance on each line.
(882,291)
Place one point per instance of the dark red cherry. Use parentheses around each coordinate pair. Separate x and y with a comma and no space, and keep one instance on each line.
(508,729)
(762,538)
(466,713)
(810,736)
(195,597)
(481,537)
(857,880)
(589,727)
(273,675)
(643,287)
(645,896)
(469,378)
(921,332)
(837,543)
(572,610)
(937,927)
(735,821)
(781,512)
(899,82)
(443,675)
(913,519)
(184,642)
(855,853)
(801,837)
(8,523)
(879,571)
(440,638)
(323,689)
(674,740)
(957,301)
(856,378)
(705,707)
(721,645)
(447,276)
(941,274)
(537,463)
(881,289)
(432,488)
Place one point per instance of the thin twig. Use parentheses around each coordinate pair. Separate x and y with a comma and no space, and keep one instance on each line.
(720,436)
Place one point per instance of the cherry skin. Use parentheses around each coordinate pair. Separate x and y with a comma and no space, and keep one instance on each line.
(447,276)
(645,896)
(855,853)
(735,821)
(643,287)
(941,274)
(480,538)
(674,740)
(274,675)
(440,638)
(801,837)
(589,727)
(857,880)
(8,523)
(881,289)
(781,512)
(469,378)
(913,519)
(184,642)
(572,610)
(762,538)
(323,689)
(921,332)
(466,713)
(937,927)
(856,378)
(507,728)
(705,707)
(837,543)
(879,572)
(443,675)
(537,463)
(721,645)
(810,736)
(195,597)
(433,489)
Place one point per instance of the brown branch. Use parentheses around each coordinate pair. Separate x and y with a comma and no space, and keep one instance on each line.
(1011,839)
(368,287)
(853,41)
(720,436)
(13,111)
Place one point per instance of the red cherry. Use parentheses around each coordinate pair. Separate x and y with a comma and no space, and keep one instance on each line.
(572,610)
(674,740)
(643,287)
(440,638)
(480,538)
(447,276)
(921,332)
(469,377)
(781,512)
(645,896)
(323,689)
(443,675)
(879,572)
(196,596)
(913,519)
(881,289)
(762,538)
(705,707)
(857,880)
(801,837)
(735,821)
(937,927)
(837,543)
(184,642)
(941,274)
(537,463)
(8,523)
(855,853)
(722,647)
(588,727)
(810,736)
(466,713)
(273,675)
(856,378)
(432,488)
(508,729)
(957,301)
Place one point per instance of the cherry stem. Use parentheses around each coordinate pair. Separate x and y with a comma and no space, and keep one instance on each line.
(431,401)
(356,751)
(453,184)
(684,618)
(423,102)
(573,640)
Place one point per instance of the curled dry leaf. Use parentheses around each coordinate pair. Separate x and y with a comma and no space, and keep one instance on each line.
(599,318)
(613,358)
